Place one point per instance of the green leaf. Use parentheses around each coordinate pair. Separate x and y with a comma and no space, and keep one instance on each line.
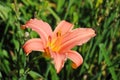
(35,75)
(4,11)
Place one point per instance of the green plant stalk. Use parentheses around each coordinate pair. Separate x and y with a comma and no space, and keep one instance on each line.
(54,14)
(18,52)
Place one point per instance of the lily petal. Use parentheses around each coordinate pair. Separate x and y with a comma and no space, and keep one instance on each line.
(33,45)
(63,27)
(76,37)
(58,60)
(42,28)
(75,57)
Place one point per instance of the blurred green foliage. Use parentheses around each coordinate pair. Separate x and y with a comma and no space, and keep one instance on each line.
(101,55)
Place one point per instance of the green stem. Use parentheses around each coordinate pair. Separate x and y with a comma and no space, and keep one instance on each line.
(54,14)
(18,24)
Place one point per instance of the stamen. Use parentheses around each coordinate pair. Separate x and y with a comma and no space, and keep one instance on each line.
(58,33)
(47,52)
(49,39)
(54,44)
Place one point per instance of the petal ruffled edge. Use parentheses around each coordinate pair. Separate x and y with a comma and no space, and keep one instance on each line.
(75,57)
(76,37)
(33,45)
(41,27)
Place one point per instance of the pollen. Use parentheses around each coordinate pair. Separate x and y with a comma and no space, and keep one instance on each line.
(55,43)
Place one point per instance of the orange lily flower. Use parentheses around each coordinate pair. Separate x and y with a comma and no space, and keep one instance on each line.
(58,44)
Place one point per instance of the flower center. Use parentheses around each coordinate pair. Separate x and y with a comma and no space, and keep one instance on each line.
(54,43)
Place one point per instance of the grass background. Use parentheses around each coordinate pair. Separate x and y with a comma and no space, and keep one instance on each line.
(101,54)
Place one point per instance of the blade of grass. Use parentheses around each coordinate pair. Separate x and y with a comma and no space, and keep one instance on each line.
(68,8)
(107,60)
(60,4)
(35,75)
(54,14)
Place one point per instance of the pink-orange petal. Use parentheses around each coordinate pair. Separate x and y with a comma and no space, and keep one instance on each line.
(76,37)
(42,28)
(75,57)
(33,45)
(63,27)
(58,60)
